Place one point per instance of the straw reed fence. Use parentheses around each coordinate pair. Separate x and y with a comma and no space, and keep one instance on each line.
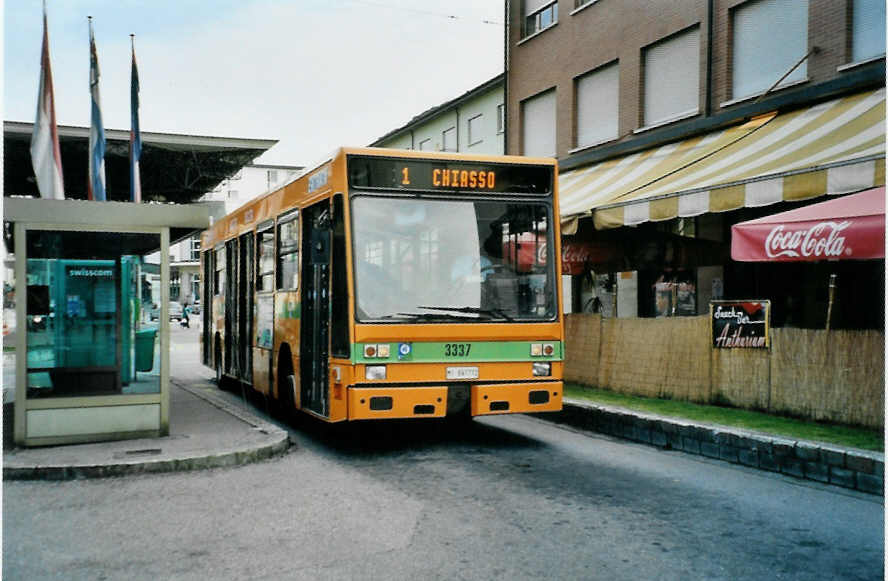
(835,376)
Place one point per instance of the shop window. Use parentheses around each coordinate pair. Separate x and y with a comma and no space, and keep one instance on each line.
(538,125)
(597,95)
(868,29)
(672,78)
(769,37)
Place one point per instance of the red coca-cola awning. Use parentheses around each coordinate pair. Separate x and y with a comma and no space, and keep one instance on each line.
(849,227)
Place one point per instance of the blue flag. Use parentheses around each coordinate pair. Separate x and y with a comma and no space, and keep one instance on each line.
(135,135)
(96,186)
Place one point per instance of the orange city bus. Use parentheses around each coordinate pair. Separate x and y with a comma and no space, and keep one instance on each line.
(392,284)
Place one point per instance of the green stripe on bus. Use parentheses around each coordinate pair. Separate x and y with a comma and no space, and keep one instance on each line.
(457,352)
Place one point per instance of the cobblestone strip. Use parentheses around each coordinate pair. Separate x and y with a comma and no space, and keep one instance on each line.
(849,468)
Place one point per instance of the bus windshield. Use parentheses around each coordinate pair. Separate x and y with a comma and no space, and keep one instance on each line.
(452,260)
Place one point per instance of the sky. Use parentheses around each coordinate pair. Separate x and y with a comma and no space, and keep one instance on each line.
(313,74)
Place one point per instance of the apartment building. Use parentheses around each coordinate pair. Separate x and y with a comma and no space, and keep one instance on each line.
(673,120)
(473,122)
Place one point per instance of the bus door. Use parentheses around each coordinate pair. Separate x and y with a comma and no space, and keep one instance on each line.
(315,318)
(245,299)
(206,313)
(231,303)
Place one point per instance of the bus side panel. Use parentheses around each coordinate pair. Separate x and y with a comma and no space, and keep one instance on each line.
(217,334)
(262,370)
(287,312)
(341,376)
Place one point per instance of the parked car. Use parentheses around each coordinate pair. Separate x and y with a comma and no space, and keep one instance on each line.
(175,311)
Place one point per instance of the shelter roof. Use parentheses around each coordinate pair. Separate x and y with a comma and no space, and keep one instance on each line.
(174,168)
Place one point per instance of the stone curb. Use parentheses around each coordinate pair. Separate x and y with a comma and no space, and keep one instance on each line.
(278,443)
(860,470)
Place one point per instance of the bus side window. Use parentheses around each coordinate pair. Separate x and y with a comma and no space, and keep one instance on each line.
(219,275)
(288,254)
(265,248)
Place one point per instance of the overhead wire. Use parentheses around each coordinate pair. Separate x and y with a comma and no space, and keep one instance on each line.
(425,12)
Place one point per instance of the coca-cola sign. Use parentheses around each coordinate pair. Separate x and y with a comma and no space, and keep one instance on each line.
(823,240)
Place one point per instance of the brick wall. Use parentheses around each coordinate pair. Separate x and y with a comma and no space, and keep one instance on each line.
(601,32)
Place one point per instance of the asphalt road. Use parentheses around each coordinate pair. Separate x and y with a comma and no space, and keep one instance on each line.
(511,497)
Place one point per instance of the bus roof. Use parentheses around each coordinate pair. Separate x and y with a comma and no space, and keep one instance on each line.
(271,203)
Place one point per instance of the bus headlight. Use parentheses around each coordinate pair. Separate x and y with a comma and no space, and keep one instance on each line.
(375,372)
(542,369)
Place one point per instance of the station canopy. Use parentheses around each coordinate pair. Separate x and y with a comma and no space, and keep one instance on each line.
(174,168)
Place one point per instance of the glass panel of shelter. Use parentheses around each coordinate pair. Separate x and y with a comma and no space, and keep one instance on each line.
(88,322)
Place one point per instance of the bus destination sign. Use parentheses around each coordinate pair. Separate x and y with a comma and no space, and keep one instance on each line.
(448,175)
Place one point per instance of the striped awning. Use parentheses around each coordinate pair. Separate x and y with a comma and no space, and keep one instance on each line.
(834,147)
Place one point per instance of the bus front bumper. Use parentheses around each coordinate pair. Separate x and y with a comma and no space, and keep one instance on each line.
(389,402)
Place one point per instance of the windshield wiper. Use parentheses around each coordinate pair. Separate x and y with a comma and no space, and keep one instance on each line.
(411,317)
(491,313)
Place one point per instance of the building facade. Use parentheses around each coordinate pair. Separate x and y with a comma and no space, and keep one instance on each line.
(474,122)
(672,123)
(250,181)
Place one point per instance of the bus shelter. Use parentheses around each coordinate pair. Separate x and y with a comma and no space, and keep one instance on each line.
(88,366)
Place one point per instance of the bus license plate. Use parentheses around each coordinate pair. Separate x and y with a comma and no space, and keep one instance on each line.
(462,373)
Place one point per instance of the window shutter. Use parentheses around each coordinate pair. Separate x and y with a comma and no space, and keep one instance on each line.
(598,95)
(538,125)
(672,77)
(769,37)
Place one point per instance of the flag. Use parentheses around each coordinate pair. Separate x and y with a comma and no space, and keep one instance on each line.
(96,186)
(135,134)
(46,157)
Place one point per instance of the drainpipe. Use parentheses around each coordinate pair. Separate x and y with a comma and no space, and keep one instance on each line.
(506,81)
(456,110)
(709,14)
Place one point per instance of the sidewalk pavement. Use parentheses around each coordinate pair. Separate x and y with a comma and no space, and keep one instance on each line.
(205,432)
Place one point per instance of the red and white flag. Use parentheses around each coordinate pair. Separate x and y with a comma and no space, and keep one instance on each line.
(46,157)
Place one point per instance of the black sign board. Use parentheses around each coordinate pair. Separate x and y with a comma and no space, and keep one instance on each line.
(740,324)
(428,175)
